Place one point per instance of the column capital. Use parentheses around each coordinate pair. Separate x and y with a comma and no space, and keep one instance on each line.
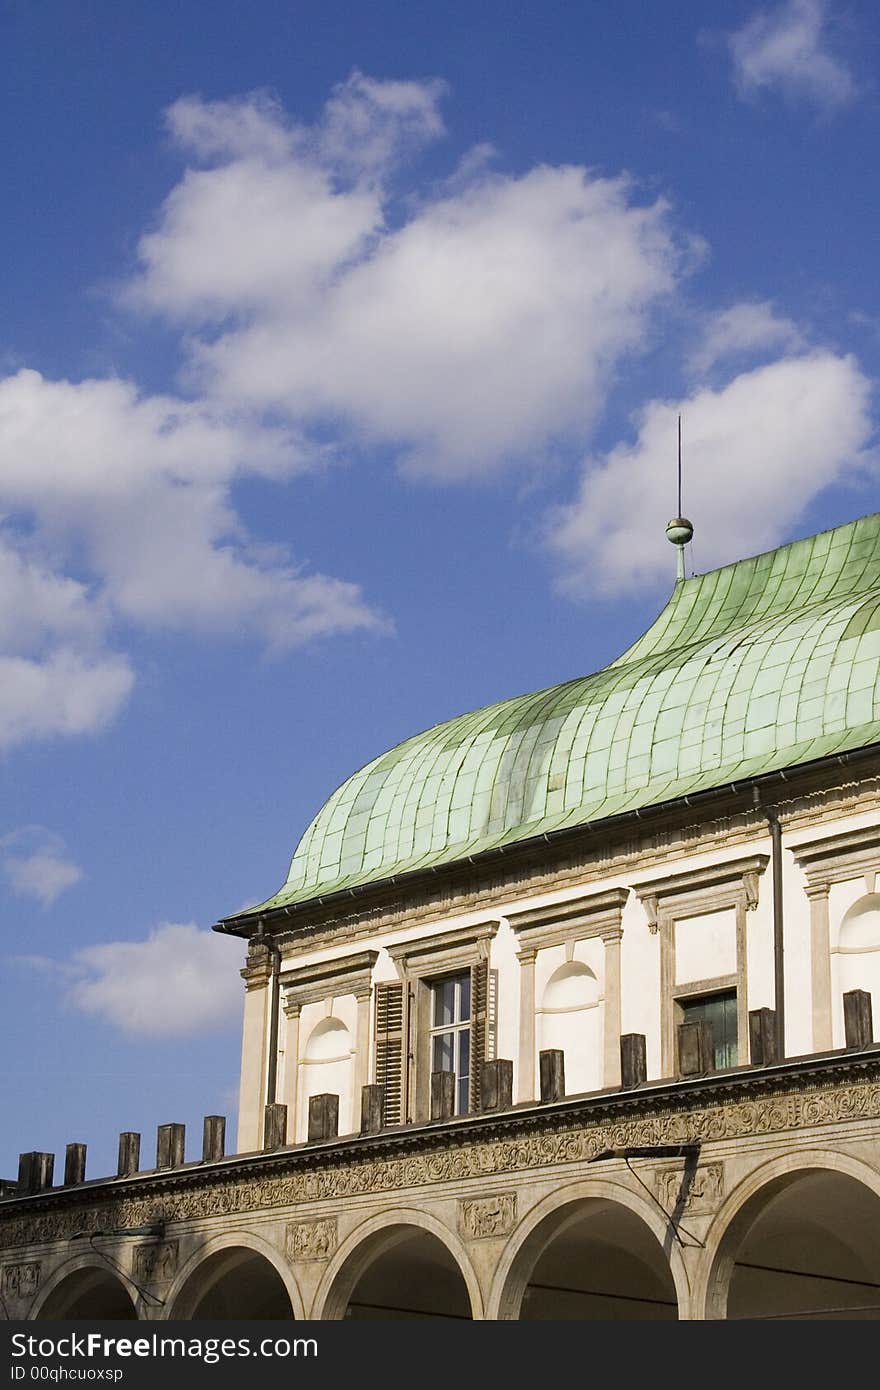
(817,890)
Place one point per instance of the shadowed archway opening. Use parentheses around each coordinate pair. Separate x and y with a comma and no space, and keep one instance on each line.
(594,1259)
(89,1293)
(234,1283)
(807,1246)
(401,1272)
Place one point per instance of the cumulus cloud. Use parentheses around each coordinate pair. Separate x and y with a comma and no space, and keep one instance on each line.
(743,329)
(36,864)
(57,673)
(757,450)
(137,492)
(178,982)
(786,48)
(482,325)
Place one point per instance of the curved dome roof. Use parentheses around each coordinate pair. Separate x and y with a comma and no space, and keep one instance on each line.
(761,665)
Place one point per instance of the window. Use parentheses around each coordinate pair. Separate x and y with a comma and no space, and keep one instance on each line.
(718,1010)
(436,1017)
(450,1034)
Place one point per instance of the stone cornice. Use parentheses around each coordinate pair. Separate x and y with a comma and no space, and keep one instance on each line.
(834,1089)
(444,948)
(708,887)
(328,979)
(574,919)
(828,859)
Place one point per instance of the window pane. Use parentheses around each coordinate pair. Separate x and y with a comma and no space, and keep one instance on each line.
(464,1052)
(463,1098)
(444,1002)
(719,1010)
(724,1032)
(443,1052)
(464,1070)
(464,1006)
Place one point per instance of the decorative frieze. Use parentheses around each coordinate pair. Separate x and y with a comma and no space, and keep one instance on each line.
(511,1145)
(482,1217)
(312,1240)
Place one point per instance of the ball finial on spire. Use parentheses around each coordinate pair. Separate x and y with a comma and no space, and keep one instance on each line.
(679,530)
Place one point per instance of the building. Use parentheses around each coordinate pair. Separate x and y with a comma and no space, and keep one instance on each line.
(564,1010)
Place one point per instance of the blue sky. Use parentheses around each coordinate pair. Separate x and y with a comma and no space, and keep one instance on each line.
(340,358)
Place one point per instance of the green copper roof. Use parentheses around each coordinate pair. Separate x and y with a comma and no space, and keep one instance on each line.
(761,665)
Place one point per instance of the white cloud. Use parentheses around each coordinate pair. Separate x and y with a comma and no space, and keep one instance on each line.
(483,326)
(368,126)
(179,982)
(755,451)
(57,675)
(786,48)
(746,328)
(37,864)
(64,693)
(142,488)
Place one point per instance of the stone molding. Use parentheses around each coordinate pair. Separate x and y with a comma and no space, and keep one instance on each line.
(327,979)
(831,859)
(257,972)
(676,894)
(445,949)
(574,919)
(728,1109)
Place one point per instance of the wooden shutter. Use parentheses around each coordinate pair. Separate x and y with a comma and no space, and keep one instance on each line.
(479,1027)
(389,1049)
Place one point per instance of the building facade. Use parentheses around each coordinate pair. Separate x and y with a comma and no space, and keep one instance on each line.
(564,1010)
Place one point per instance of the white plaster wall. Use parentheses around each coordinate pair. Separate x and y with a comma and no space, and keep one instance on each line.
(759,948)
(705,946)
(797,955)
(640,981)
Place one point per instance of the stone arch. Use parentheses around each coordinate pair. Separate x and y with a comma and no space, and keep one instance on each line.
(376,1238)
(220,1258)
(560,1213)
(778,1180)
(87,1287)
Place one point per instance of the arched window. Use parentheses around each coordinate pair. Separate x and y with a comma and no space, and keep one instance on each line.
(570,1019)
